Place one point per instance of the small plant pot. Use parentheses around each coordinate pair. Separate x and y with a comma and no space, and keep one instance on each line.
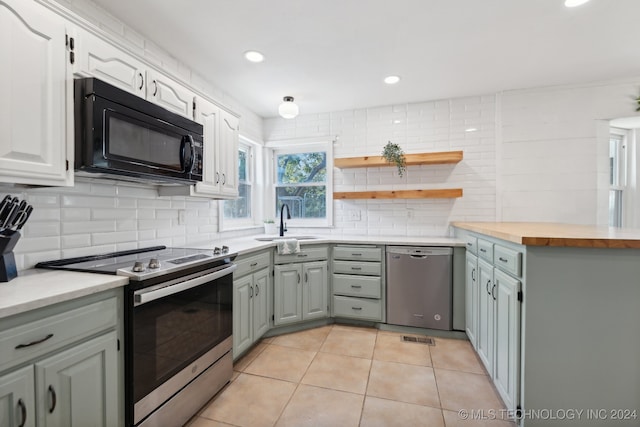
(270,228)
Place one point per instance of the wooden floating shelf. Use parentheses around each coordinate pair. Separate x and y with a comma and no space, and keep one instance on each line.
(447,193)
(440,158)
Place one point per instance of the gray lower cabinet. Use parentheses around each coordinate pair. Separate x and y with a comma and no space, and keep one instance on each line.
(358,286)
(493,312)
(251,301)
(61,365)
(301,290)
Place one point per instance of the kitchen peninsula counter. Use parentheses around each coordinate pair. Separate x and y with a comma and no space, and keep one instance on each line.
(578,315)
(556,234)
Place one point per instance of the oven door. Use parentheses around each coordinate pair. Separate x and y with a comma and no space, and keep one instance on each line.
(171,326)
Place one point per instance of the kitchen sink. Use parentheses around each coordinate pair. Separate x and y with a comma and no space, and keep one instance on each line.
(292,236)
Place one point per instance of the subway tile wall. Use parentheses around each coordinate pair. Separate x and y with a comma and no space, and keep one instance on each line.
(419,127)
(104,216)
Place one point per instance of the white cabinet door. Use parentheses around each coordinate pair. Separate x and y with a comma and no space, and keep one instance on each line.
(79,387)
(36,94)
(228,154)
(17,399)
(315,291)
(242,314)
(261,282)
(471,296)
(169,94)
(96,57)
(507,338)
(207,114)
(485,315)
(287,298)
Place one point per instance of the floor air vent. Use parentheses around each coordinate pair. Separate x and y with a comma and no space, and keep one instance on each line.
(419,340)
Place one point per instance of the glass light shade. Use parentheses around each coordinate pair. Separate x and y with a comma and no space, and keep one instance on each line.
(288,109)
(574,3)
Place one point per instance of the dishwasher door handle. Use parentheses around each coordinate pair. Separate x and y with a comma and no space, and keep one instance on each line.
(419,256)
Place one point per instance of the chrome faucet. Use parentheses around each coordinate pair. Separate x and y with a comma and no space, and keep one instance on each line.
(282,224)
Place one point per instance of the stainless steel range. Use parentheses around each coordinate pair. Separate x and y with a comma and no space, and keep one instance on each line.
(178,326)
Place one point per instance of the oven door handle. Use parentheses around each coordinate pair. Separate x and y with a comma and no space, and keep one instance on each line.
(141,297)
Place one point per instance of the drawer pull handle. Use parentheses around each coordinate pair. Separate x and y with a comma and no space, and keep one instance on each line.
(19,346)
(356,268)
(483,250)
(356,308)
(23,413)
(356,286)
(257,290)
(253,264)
(487,287)
(54,399)
(502,259)
(473,274)
(493,294)
(302,255)
(356,254)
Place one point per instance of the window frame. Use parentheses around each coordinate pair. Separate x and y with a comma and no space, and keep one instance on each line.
(617,218)
(295,147)
(228,224)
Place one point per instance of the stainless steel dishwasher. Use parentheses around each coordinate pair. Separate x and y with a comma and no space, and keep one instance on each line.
(419,282)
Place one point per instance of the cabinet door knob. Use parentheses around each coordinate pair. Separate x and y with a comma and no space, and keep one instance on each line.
(54,399)
(23,413)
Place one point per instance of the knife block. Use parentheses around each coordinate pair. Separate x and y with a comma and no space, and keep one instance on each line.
(8,269)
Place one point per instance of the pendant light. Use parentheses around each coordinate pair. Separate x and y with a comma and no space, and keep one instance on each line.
(288,109)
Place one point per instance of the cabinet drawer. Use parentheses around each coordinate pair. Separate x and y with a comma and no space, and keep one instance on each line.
(355,253)
(252,264)
(357,286)
(307,253)
(33,339)
(472,244)
(485,250)
(354,267)
(508,260)
(357,308)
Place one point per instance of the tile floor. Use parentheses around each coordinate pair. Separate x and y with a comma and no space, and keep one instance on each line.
(341,375)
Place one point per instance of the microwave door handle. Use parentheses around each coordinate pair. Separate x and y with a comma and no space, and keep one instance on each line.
(187,163)
(141,297)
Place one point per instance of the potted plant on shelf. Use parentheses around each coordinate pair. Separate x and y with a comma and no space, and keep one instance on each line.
(392,153)
(269,226)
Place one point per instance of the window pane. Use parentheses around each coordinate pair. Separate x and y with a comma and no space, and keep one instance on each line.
(303,202)
(242,165)
(615,208)
(301,168)
(240,207)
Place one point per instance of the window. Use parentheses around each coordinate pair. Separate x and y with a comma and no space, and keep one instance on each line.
(239,212)
(302,182)
(617,177)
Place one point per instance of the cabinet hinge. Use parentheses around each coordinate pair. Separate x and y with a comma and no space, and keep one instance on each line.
(118,344)
(67,164)
(273,273)
(66,39)
(273,317)
(520,296)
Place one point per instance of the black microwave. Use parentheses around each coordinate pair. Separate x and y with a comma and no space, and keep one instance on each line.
(120,135)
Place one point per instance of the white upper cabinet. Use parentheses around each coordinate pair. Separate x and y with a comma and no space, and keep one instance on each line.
(228,154)
(169,94)
(95,57)
(207,115)
(35,87)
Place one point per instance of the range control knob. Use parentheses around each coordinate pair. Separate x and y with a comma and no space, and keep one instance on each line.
(138,267)
(154,263)
(217,251)
(225,249)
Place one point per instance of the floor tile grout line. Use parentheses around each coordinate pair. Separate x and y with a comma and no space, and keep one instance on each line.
(366,388)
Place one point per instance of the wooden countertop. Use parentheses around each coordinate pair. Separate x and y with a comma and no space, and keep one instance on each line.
(556,234)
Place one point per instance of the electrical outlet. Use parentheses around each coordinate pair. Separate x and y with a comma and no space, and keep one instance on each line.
(409,213)
(354,215)
(182,217)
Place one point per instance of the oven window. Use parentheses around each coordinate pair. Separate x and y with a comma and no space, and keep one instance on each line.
(171,332)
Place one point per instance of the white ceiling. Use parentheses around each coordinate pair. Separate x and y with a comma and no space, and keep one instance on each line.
(332,55)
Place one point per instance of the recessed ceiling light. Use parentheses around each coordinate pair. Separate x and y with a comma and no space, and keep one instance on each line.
(574,3)
(471,129)
(391,80)
(254,56)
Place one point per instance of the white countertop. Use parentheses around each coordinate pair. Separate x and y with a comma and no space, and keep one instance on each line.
(36,288)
